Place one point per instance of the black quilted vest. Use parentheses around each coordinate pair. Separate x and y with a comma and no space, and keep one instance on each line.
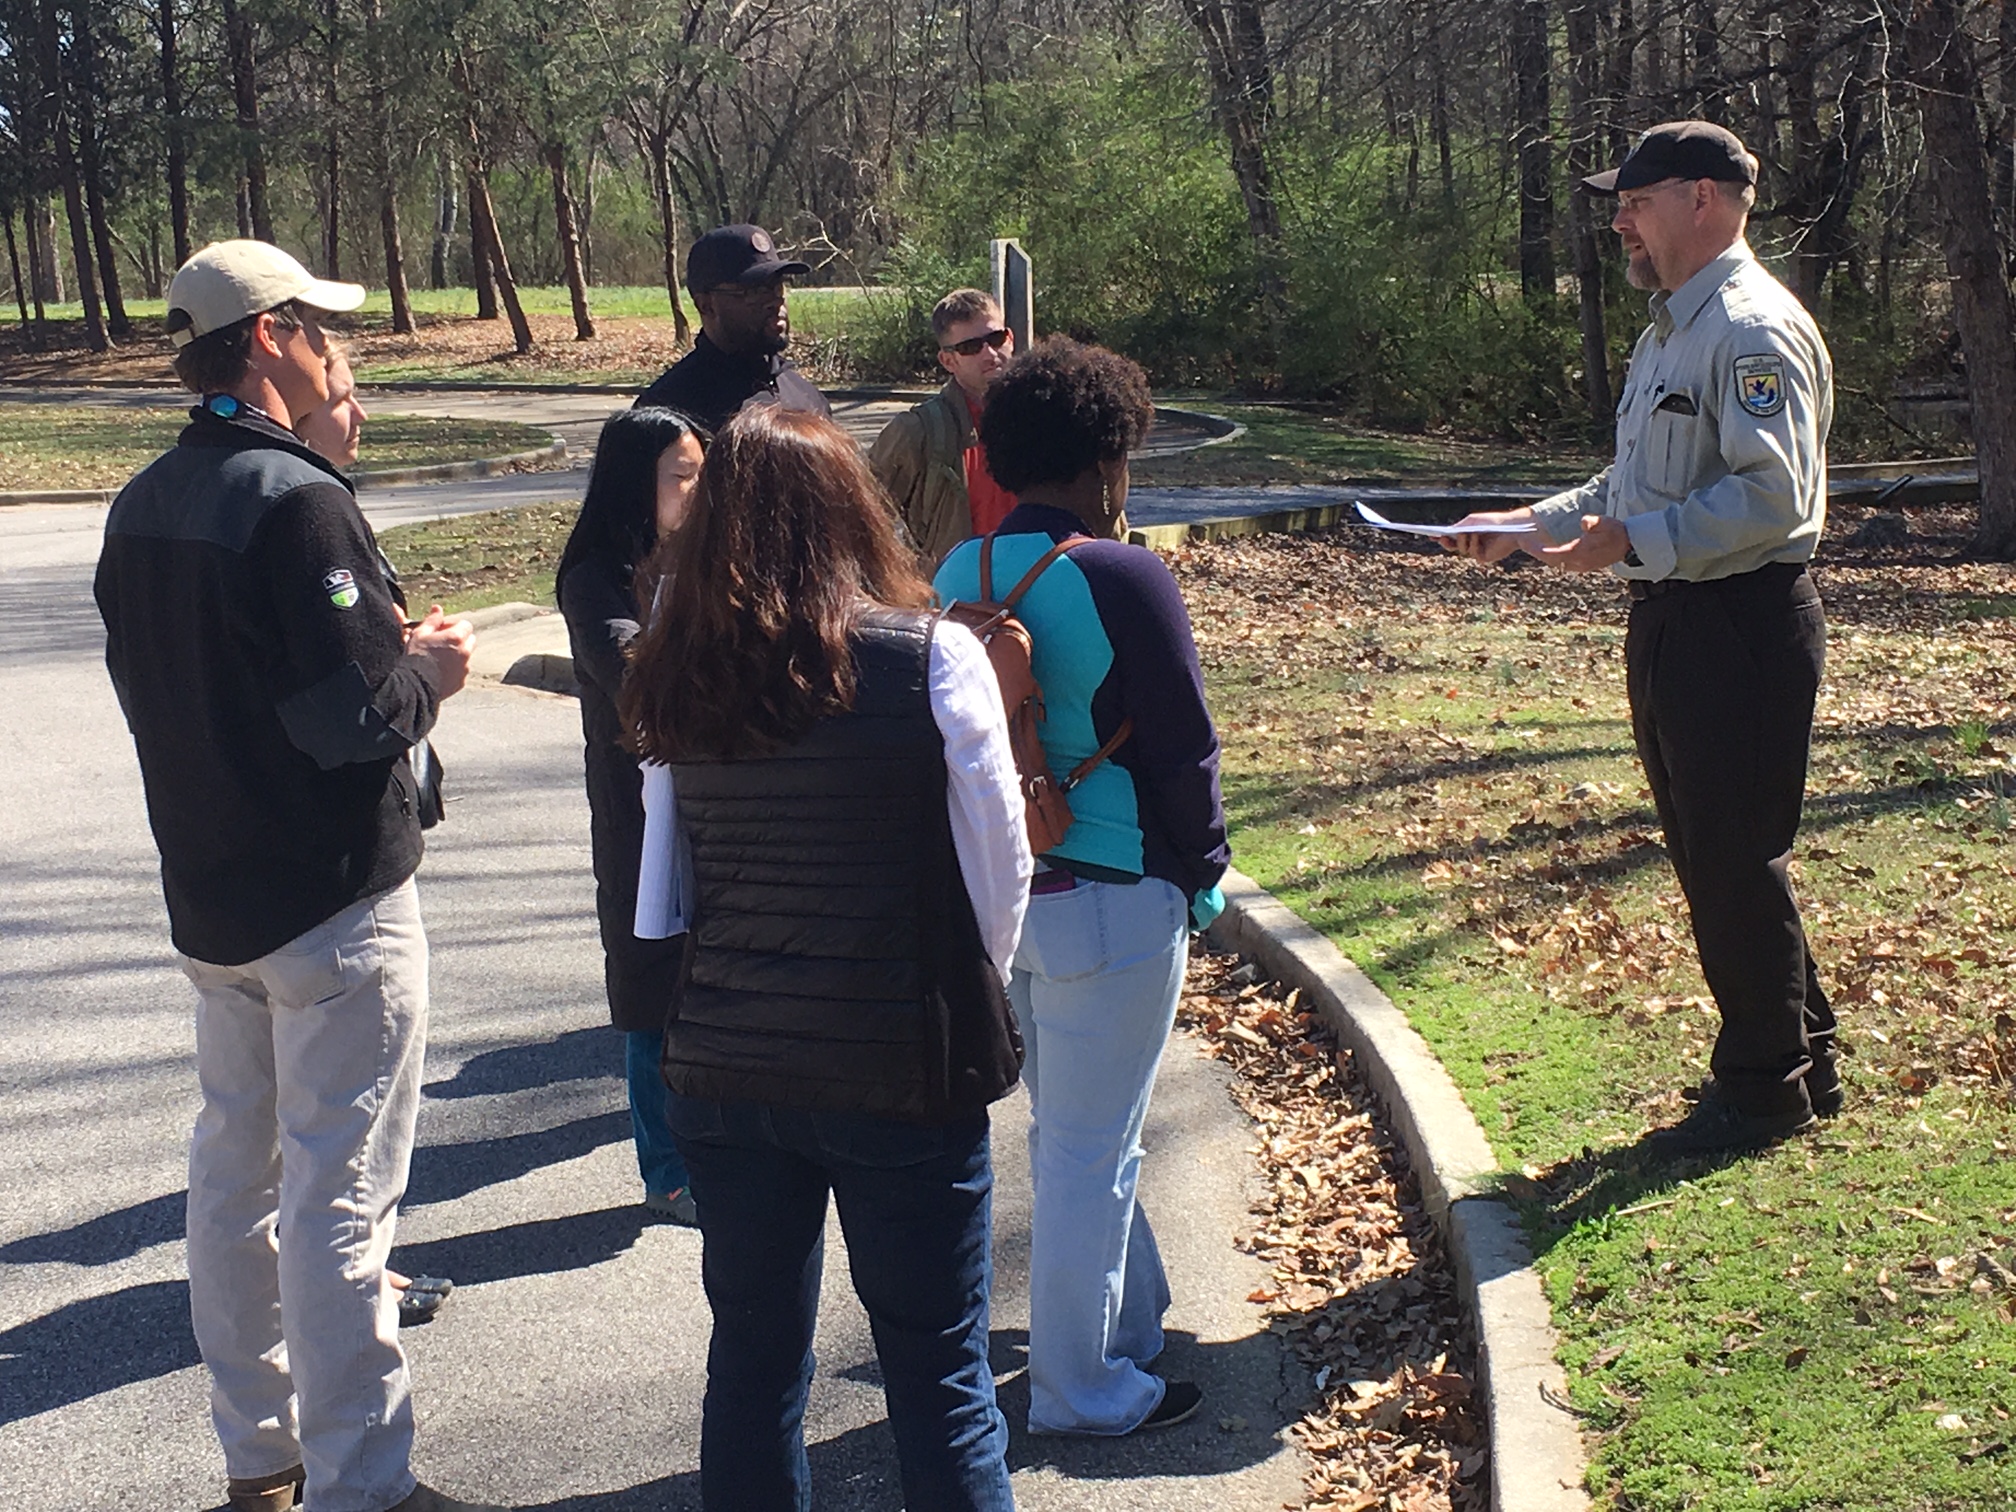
(835,962)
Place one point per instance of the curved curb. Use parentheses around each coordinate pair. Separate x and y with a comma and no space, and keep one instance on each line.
(449,472)
(382,477)
(1537,1457)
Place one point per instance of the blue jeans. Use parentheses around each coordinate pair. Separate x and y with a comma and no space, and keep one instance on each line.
(916,1207)
(1095,984)
(658,1159)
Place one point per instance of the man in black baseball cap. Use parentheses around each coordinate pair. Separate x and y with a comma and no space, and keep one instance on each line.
(736,277)
(1680,150)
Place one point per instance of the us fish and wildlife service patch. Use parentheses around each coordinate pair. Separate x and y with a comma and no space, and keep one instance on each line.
(1760,384)
(340,586)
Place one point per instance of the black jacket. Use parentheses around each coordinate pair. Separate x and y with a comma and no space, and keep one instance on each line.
(253,634)
(601,613)
(836,963)
(711,385)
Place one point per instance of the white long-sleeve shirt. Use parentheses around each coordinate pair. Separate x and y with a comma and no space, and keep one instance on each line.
(983,799)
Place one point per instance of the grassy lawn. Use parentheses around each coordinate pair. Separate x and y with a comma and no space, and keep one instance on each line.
(1292,444)
(1432,763)
(64,446)
(474,561)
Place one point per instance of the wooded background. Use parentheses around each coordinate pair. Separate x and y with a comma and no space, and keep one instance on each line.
(1366,201)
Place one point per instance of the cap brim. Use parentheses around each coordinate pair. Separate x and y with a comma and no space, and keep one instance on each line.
(1602,183)
(336,298)
(776,267)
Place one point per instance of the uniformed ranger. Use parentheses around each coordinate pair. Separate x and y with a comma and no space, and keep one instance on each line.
(1710,513)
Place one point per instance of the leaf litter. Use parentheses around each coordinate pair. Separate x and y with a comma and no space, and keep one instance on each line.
(1360,1286)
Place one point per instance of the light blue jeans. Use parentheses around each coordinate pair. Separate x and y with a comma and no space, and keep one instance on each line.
(1095,985)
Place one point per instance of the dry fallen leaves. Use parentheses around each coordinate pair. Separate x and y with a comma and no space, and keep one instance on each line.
(1360,1286)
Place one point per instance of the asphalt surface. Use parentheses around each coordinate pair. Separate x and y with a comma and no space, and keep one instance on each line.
(566,1371)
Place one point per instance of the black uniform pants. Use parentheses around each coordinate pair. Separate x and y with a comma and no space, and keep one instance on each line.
(1723,677)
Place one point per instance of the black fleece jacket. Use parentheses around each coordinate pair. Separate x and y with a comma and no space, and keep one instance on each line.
(253,634)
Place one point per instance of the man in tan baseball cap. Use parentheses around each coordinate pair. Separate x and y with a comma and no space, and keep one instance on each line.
(276,692)
(243,313)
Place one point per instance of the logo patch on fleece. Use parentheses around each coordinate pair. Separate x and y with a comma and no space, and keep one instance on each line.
(1760,384)
(341,587)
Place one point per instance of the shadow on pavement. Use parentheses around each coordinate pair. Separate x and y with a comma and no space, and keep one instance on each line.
(575,1055)
(106,1238)
(443,1172)
(543,1247)
(853,1471)
(93,1346)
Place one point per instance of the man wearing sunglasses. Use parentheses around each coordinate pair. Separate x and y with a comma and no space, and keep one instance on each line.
(929,457)
(736,277)
(1710,513)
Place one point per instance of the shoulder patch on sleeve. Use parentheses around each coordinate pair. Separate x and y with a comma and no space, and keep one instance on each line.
(341,587)
(1760,384)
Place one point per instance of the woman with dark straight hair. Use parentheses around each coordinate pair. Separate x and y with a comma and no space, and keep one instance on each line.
(839,759)
(646,461)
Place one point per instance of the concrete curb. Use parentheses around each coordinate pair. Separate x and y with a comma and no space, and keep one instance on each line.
(506,614)
(1537,1457)
(450,472)
(381,477)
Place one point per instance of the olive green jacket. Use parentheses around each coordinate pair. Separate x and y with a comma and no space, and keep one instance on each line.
(920,457)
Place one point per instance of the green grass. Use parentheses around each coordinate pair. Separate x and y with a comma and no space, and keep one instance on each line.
(473,561)
(1286,444)
(1433,765)
(45,446)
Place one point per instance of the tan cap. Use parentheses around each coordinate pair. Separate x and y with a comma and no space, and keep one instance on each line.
(230,280)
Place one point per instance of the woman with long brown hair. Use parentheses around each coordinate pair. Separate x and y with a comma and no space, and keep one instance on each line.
(859,869)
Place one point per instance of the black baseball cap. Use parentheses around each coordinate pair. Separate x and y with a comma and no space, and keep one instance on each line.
(1679,150)
(737,255)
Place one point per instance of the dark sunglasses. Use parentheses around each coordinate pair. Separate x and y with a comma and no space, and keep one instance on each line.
(970,347)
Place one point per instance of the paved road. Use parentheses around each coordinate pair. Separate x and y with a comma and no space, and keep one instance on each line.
(566,1371)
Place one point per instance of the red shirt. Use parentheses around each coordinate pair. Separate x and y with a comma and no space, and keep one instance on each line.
(986,501)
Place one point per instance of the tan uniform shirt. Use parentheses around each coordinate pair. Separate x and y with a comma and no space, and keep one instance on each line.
(1721,434)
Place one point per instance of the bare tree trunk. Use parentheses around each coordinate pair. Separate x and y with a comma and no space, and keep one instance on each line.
(89,142)
(1234,39)
(171,109)
(50,279)
(245,91)
(570,242)
(332,147)
(479,258)
(1942,67)
(56,119)
(1708,82)
(668,223)
(1620,80)
(1802,204)
(14,265)
(1534,129)
(382,169)
(445,210)
(484,215)
(1585,134)
(38,275)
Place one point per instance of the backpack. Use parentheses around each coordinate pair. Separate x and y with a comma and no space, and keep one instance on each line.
(1010,651)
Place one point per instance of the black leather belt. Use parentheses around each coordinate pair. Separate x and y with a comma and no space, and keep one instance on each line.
(1642,590)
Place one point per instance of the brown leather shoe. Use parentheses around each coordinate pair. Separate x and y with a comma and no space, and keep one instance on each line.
(266,1493)
(426,1499)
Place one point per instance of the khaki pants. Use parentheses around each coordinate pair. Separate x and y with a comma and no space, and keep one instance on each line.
(309,1060)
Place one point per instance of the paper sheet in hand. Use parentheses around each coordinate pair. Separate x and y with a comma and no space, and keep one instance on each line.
(1379,521)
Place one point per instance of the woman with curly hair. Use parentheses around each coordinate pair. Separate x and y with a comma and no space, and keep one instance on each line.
(1106,939)
(646,461)
(839,758)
